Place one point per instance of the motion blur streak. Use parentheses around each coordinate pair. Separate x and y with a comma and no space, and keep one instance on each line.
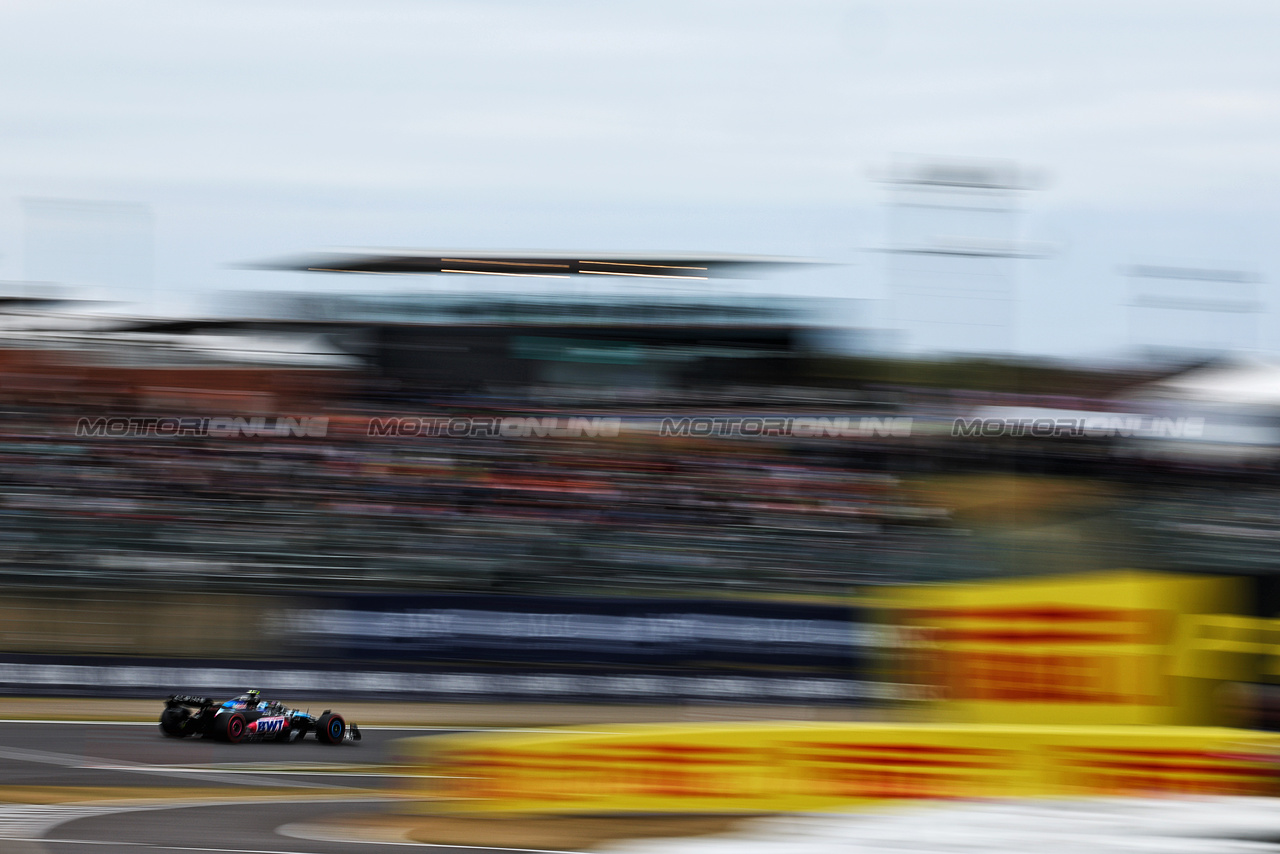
(615,364)
(1105,826)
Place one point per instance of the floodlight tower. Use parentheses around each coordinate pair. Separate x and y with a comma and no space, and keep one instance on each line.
(1191,312)
(952,255)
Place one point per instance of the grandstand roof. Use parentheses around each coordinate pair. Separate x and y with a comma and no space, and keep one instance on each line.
(531,264)
(1241,380)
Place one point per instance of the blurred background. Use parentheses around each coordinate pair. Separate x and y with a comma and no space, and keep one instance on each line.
(957,293)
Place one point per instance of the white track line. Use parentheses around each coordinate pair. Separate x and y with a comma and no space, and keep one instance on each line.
(278,772)
(363,728)
(311,833)
(38,819)
(152,847)
(41,818)
(45,757)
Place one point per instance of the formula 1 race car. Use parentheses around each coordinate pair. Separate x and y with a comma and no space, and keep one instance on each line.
(250,718)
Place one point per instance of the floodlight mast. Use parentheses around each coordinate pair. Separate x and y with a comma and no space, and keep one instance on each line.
(953,251)
(1183,312)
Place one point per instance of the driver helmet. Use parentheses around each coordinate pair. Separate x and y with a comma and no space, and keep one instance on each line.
(248,699)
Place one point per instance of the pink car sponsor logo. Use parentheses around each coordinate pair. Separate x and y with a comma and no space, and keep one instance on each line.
(262,726)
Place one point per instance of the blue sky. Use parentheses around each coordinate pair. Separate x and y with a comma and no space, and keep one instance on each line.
(264,128)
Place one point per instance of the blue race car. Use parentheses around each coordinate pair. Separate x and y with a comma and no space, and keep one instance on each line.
(250,718)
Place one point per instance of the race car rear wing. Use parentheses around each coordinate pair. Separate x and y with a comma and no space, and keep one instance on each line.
(188,700)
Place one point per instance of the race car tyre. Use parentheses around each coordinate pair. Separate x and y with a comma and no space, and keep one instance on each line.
(229,727)
(331,728)
(173,722)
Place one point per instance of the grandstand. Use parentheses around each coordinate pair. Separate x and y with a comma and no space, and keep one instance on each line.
(629,513)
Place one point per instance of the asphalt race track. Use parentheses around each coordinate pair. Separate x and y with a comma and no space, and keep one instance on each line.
(236,810)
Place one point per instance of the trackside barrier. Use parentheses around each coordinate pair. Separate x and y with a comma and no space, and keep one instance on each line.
(1095,649)
(758,768)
